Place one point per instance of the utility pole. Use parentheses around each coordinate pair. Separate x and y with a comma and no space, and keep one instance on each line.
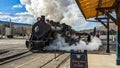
(11,28)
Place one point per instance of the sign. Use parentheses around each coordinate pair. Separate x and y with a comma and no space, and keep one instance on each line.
(78,59)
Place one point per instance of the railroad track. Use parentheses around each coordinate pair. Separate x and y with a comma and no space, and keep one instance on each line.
(2,51)
(60,64)
(40,60)
(11,56)
(58,60)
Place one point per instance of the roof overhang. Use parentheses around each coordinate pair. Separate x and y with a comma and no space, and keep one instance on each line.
(88,7)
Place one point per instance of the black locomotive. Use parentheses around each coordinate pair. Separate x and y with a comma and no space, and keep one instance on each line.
(44,33)
(41,35)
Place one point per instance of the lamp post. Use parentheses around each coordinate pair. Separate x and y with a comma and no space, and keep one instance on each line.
(108,45)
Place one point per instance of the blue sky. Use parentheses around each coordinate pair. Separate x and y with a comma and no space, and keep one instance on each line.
(11,6)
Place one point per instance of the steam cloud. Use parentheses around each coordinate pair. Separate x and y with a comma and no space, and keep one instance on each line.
(60,44)
(65,11)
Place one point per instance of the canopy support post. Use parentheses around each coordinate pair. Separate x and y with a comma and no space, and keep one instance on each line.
(108,45)
(118,32)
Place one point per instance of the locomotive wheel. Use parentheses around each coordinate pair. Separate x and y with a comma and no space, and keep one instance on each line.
(27,43)
(41,48)
(30,46)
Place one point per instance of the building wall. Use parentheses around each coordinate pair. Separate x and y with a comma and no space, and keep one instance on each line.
(17,30)
(22,30)
(2,30)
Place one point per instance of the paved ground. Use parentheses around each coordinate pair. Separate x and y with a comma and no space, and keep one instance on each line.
(34,61)
(102,61)
(12,43)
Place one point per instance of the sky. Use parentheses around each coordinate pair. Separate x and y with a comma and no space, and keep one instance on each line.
(17,12)
(14,10)
(11,6)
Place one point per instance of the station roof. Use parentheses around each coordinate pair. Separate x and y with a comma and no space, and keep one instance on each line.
(88,7)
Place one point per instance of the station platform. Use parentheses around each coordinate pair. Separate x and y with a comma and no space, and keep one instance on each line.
(98,61)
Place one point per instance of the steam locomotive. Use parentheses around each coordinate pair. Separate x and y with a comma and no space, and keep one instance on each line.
(38,40)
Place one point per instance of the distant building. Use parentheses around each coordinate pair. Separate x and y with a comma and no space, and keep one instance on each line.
(2,30)
(103,30)
(17,30)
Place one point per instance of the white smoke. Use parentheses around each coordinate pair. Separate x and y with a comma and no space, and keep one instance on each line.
(60,44)
(65,11)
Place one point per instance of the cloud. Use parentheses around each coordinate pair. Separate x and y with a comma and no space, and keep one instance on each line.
(25,1)
(24,14)
(4,16)
(23,17)
(17,6)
